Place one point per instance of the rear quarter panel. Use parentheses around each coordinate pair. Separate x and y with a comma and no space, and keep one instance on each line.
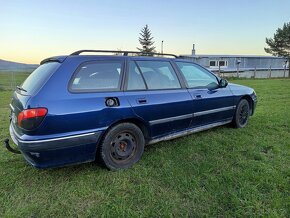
(73,113)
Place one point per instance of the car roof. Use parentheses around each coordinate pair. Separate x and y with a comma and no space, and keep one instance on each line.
(62,58)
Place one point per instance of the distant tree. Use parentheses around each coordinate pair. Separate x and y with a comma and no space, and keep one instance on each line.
(279,45)
(146,40)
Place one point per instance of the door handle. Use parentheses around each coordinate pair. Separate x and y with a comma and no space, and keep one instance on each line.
(142,100)
(198,96)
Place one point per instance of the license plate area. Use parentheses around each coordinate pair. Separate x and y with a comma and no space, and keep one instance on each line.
(13,137)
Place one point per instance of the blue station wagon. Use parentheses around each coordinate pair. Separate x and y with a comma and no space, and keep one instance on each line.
(79,108)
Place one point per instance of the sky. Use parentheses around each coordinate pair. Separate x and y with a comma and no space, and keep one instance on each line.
(32,30)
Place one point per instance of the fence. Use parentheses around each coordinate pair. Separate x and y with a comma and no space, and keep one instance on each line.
(255,73)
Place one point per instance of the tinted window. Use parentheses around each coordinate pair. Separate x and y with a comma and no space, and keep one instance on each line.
(135,80)
(222,63)
(212,63)
(197,77)
(159,75)
(38,77)
(103,75)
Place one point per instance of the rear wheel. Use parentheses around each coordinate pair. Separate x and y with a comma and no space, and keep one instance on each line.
(122,146)
(242,114)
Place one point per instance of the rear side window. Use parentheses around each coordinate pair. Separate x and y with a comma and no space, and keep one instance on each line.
(38,77)
(135,80)
(159,75)
(97,76)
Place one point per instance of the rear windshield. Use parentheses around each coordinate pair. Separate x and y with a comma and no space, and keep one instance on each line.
(38,77)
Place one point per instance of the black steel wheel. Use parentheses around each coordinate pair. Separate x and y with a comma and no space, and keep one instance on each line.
(242,114)
(122,146)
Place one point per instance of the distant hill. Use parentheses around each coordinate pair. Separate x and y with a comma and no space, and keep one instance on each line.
(14,66)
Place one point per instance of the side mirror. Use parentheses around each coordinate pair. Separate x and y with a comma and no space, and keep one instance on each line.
(223,83)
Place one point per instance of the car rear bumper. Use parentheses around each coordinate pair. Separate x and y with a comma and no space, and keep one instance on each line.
(59,151)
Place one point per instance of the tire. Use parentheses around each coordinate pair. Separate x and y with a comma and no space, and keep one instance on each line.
(122,146)
(242,114)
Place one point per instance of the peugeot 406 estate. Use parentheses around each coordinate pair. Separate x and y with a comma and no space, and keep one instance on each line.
(79,108)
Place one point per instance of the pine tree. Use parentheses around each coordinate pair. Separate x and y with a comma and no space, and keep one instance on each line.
(279,45)
(145,40)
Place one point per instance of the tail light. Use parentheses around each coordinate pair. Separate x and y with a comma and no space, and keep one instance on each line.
(31,118)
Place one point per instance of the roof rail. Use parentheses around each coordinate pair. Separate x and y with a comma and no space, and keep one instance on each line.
(125,53)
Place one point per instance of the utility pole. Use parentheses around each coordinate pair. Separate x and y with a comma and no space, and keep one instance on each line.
(285,66)
(219,69)
(238,66)
(162,47)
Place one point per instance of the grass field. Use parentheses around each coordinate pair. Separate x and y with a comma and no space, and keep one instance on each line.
(222,172)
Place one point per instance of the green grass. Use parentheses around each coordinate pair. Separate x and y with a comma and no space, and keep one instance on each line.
(222,172)
(9,80)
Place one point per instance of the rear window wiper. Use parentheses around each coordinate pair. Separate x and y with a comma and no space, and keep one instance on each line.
(21,89)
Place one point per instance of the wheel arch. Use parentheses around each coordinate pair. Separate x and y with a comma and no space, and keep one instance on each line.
(141,124)
(250,101)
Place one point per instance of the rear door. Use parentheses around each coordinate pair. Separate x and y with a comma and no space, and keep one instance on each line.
(156,95)
(210,102)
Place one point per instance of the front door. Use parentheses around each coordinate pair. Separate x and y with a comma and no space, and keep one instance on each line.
(211,103)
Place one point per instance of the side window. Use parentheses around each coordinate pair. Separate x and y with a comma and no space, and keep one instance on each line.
(135,80)
(223,64)
(197,77)
(94,76)
(159,75)
(212,63)
(218,63)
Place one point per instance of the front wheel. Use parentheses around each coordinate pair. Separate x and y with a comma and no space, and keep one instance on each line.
(122,146)
(242,114)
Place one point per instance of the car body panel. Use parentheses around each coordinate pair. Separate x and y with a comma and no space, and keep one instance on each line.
(240,91)
(165,111)
(211,106)
(57,150)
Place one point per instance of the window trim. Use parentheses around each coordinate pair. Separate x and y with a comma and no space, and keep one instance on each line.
(118,89)
(147,89)
(183,77)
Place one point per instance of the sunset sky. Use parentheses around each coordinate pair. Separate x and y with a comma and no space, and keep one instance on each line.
(33,30)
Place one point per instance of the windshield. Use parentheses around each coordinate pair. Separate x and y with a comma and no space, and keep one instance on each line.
(38,77)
